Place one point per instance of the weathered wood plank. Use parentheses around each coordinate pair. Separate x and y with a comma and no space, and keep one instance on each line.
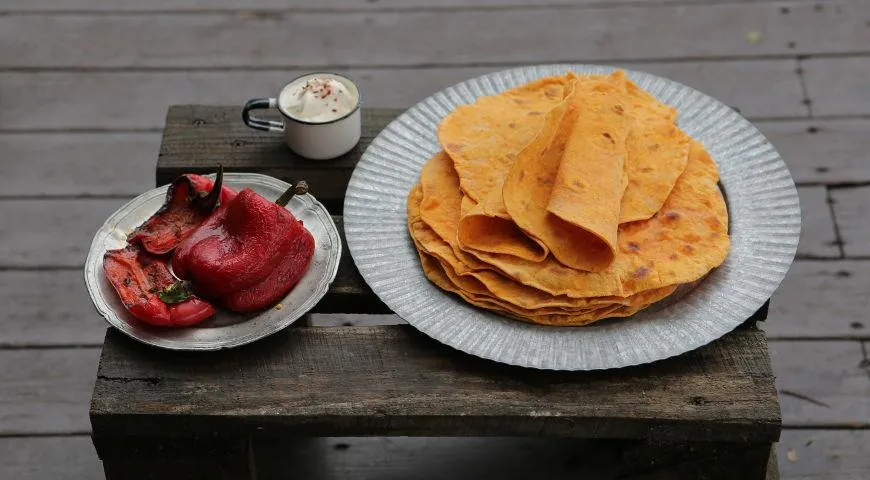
(50,233)
(822,383)
(852,212)
(824,454)
(818,237)
(77,164)
(765,88)
(419,387)
(316,5)
(353,320)
(823,151)
(821,299)
(46,390)
(838,86)
(58,458)
(47,308)
(632,32)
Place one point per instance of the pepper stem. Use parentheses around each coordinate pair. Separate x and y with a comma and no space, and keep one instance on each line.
(296,188)
(210,201)
(175,293)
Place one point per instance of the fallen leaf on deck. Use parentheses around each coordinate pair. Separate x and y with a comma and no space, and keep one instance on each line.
(753,36)
(791,455)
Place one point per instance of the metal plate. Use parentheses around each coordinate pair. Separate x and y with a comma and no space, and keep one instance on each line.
(764,226)
(225,329)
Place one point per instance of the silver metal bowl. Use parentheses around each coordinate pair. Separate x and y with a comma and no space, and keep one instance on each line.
(764,227)
(225,329)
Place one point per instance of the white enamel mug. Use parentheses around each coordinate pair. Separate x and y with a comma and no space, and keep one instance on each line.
(313,140)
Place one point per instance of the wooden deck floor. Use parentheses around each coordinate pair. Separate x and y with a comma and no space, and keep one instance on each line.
(84,85)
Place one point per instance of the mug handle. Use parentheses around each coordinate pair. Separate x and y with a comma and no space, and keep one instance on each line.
(259,123)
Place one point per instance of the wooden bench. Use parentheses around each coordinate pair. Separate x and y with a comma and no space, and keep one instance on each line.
(245,413)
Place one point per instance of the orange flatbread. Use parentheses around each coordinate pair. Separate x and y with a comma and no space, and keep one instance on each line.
(657,152)
(567,200)
(489,289)
(680,244)
(483,139)
(566,186)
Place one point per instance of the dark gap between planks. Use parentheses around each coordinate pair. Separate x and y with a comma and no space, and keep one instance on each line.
(435,65)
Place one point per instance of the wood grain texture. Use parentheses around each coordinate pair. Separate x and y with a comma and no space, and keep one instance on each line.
(46,391)
(818,236)
(823,151)
(825,454)
(57,100)
(821,299)
(51,233)
(839,86)
(337,5)
(47,308)
(822,383)
(458,37)
(78,164)
(391,380)
(57,458)
(353,320)
(852,212)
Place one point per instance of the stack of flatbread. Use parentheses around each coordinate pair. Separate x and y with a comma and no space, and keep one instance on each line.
(567,200)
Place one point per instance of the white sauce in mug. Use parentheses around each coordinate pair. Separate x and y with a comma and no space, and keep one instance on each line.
(318,99)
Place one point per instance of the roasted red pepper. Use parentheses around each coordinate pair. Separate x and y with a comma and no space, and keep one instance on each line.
(248,254)
(148,290)
(296,249)
(190,199)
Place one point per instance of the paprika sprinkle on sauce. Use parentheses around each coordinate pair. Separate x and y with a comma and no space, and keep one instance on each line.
(319,99)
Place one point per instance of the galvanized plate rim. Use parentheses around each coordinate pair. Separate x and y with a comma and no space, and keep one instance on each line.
(764,215)
(317,279)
